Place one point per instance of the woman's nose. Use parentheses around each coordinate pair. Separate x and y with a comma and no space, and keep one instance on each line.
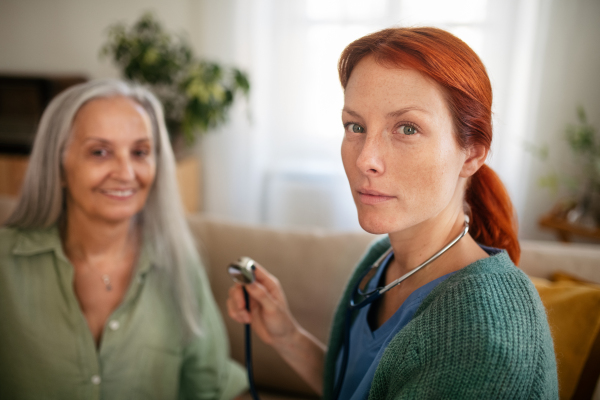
(124,169)
(370,160)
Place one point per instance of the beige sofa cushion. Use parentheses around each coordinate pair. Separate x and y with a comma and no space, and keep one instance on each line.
(312,267)
(541,259)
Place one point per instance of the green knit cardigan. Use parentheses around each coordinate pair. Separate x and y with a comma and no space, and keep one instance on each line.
(480,334)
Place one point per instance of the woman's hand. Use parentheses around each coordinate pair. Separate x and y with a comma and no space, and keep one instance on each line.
(273,322)
(269,313)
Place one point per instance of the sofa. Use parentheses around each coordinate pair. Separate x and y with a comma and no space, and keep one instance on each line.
(313,266)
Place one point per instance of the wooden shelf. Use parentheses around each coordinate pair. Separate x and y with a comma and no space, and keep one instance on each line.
(564,229)
(12,173)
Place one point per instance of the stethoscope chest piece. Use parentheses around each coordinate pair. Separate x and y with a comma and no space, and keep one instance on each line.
(242,270)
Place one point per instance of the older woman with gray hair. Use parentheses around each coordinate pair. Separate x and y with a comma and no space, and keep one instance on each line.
(102,294)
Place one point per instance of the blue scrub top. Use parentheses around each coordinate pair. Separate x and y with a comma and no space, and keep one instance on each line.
(367,346)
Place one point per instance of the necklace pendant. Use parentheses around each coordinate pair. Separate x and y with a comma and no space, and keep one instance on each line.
(106,280)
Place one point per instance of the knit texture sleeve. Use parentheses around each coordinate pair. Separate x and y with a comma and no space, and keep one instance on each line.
(483,334)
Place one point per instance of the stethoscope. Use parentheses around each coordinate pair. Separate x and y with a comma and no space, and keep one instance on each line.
(242,271)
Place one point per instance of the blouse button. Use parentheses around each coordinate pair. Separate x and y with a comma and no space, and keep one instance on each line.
(114,325)
(96,379)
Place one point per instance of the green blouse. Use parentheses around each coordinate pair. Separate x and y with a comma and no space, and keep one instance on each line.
(47,350)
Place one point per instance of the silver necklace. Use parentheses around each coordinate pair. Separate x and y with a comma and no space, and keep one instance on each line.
(106,280)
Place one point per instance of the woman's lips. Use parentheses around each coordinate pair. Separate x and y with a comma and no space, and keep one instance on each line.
(372,197)
(119,194)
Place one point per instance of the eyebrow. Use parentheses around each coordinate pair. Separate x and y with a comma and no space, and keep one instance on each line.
(404,110)
(108,141)
(393,114)
(353,113)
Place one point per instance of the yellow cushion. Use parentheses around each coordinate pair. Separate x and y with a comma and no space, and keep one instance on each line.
(573,310)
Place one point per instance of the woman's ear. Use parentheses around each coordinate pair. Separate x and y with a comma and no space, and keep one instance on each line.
(476,156)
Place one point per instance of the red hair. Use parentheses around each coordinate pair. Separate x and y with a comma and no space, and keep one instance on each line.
(458,70)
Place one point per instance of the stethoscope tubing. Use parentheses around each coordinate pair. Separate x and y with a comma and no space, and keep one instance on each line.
(248,351)
(376,293)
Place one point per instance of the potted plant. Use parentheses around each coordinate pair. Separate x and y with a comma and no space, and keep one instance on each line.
(585,144)
(583,206)
(196,94)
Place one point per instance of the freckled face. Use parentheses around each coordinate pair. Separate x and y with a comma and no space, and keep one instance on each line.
(109,163)
(399,150)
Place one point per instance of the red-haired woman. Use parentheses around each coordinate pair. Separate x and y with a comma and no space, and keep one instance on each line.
(436,309)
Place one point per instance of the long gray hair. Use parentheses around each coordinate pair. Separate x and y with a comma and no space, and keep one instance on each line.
(162,220)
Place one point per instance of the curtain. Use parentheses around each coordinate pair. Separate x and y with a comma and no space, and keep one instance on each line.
(278,161)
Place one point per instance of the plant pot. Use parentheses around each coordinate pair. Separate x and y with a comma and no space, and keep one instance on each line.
(587,211)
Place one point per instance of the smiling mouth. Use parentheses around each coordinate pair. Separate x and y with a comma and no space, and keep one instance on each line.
(121,194)
(372,197)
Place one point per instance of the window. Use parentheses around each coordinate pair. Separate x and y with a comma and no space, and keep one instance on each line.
(297,98)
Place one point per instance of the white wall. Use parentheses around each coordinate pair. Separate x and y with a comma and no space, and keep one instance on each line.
(65,36)
(232,155)
(569,76)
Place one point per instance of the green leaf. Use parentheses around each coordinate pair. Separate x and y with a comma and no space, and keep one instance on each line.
(581,115)
(241,80)
(550,182)
(196,94)
(540,152)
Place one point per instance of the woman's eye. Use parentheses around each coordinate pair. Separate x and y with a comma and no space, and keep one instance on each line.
(355,128)
(141,153)
(408,129)
(100,152)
